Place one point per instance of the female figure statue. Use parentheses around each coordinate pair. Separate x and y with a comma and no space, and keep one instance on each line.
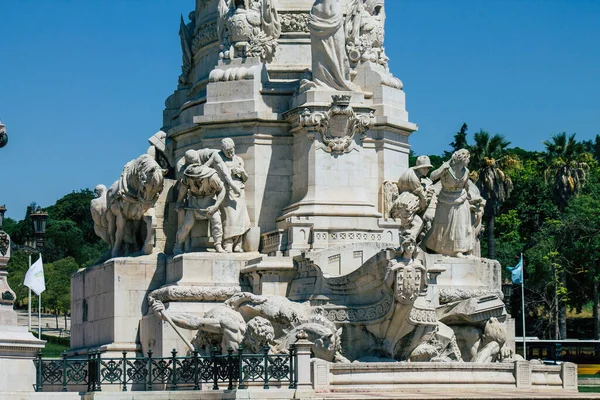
(330,65)
(451,233)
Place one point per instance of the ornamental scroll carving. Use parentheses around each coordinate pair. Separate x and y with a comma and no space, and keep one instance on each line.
(338,125)
(248,28)
(206,34)
(4,243)
(294,22)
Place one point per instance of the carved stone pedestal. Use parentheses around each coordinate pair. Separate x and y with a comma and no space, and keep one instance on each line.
(18,347)
(108,301)
(18,350)
(465,278)
(195,283)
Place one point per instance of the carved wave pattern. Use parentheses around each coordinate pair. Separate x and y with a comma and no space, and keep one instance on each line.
(352,315)
(422,316)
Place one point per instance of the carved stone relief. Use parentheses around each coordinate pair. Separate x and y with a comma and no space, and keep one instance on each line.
(338,125)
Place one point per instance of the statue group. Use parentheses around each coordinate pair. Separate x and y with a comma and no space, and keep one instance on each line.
(390,307)
(210,187)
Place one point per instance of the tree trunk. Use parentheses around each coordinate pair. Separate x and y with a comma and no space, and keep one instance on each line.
(56,318)
(65,320)
(555,308)
(489,212)
(562,310)
(596,310)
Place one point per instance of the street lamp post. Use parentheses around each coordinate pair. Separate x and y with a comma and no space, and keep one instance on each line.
(3,138)
(39,229)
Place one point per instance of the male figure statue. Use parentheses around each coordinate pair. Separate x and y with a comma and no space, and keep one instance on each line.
(415,181)
(205,193)
(236,221)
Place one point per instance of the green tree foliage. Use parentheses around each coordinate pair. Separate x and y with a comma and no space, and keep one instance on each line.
(70,243)
(566,164)
(58,295)
(495,186)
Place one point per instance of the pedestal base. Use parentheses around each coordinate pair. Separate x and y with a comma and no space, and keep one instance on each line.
(109,300)
(18,351)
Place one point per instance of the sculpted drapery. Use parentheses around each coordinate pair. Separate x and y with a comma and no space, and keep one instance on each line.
(330,66)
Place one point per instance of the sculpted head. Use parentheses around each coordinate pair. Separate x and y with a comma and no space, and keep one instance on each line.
(192,157)
(99,190)
(494,331)
(151,178)
(228,147)
(259,333)
(409,248)
(460,157)
(422,166)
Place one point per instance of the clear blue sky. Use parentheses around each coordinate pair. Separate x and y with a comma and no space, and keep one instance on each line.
(83,83)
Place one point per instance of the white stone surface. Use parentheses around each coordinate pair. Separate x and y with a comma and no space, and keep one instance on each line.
(109,300)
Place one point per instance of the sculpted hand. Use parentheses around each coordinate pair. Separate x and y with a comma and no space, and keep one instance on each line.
(506,352)
(210,211)
(158,308)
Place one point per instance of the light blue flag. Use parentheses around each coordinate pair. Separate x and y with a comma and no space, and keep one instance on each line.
(517,271)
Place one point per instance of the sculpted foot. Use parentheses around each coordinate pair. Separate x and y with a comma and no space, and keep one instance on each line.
(177,250)
(219,248)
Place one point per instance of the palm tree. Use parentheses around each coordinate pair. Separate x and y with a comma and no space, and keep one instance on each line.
(495,186)
(565,161)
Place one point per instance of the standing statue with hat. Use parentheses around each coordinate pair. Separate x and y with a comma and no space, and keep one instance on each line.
(205,193)
(408,199)
(414,180)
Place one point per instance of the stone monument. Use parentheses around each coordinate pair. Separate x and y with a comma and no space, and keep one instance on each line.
(289,211)
(18,347)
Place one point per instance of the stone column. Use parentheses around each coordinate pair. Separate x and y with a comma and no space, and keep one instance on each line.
(18,347)
(304,387)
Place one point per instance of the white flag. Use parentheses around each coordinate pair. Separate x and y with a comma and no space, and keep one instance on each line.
(34,278)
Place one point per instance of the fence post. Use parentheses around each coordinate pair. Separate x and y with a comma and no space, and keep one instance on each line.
(91,372)
(196,385)
(149,369)
(292,369)
(39,373)
(124,371)
(215,369)
(302,353)
(230,367)
(174,369)
(241,369)
(266,356)
(98,368)
(64,370)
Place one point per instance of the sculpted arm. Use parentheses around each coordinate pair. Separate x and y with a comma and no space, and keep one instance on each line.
(186,321)
(242,171)
(220,197)
(438,173)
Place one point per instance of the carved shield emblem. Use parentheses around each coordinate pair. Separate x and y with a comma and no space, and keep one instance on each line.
(408,282)
(4,243)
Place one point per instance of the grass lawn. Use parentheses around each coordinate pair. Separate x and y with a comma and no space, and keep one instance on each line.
(53,350)
(589,389)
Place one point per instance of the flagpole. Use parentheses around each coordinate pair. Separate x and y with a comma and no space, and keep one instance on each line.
(29,304)
(40,316)
(523,304)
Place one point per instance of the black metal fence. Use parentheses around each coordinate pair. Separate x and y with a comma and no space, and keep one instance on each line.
(190,372)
